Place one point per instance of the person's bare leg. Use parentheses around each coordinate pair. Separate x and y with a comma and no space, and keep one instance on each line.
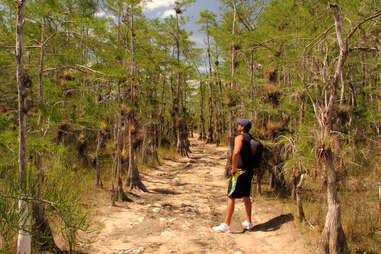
(247,202)
(229,210)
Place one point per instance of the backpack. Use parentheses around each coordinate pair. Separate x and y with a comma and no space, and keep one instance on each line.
(256,148)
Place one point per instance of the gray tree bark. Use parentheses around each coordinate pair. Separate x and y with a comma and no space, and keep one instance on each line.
(24,240)
(202,119)
(133,178)
(232,87)
(43,235)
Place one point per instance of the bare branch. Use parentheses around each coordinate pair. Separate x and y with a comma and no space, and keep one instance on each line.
(50,37)
(315,105)
(75,67)
(342,56)
(360,24)
(27,198)
(245,22)
(338,26)
(323,34)
(12,47)
(90,70)
(366,49)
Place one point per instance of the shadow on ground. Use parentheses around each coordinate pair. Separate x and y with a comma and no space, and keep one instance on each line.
(274,224)
(271,225)
(164,191)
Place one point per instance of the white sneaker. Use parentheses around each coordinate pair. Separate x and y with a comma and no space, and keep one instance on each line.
(222,228)
(247,225)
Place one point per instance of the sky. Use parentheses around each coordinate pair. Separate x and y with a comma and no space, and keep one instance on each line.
(164,8)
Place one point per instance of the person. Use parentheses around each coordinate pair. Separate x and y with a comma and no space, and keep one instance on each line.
(240,182)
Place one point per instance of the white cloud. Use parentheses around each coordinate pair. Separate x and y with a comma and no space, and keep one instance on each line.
(168,13)
(154,4)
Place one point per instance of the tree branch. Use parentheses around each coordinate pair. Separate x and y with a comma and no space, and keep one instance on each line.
(12,47)
(360,24)
(317,38)
(27,198)
(367,49)
(75,67)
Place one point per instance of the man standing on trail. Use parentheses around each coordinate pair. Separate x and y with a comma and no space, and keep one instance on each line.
(242,173)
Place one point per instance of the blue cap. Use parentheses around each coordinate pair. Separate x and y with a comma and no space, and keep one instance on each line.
(245,123)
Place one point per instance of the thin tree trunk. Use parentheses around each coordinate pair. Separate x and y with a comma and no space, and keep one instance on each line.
(44,235)
(161,116)
(97,162)
(40,74)
(220,118)
(232,87)
(252,85)
(293,187)
(149,148)
(202,120)
(260,173)
(342,94)
(298,191)
(114,195)
(24,237)
(154,127)
(353,94)
(210,116)
(210,97)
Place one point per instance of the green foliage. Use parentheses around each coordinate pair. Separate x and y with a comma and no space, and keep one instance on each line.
(286,53)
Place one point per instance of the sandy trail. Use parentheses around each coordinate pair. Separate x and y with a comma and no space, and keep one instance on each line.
(187,197)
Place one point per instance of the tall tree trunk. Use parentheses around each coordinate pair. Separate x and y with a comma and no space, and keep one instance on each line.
(332,240)
(24,237)
(181,129)
(133,178)
(202,120)
(210,115)
(149,149)
(162,113)
(97,162)
(252,86)
(210,97)
(40,74)
(232,87)
(154,127)
(44,235)
(219,108)
(117,191)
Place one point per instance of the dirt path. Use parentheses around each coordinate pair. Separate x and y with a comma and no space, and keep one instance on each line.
(187,197)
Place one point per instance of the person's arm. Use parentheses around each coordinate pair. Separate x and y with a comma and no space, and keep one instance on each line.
(237,148)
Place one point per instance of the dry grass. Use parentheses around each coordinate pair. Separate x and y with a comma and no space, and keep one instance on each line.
(359,214)
(358,195)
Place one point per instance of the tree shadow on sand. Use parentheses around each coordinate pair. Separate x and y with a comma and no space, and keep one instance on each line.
(164,191)
(271,225)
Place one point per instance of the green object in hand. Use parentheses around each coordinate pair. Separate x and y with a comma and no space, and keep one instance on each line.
(234,180)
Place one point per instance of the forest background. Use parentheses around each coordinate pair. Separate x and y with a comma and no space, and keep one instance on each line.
(88,98)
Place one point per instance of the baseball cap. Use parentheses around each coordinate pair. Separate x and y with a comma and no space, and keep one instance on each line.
(245,123)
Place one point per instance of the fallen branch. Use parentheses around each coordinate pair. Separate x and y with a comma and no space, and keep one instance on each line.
(26,198)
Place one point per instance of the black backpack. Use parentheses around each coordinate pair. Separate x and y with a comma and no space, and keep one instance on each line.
(256,148)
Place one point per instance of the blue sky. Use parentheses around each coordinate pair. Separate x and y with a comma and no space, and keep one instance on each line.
(164,8)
